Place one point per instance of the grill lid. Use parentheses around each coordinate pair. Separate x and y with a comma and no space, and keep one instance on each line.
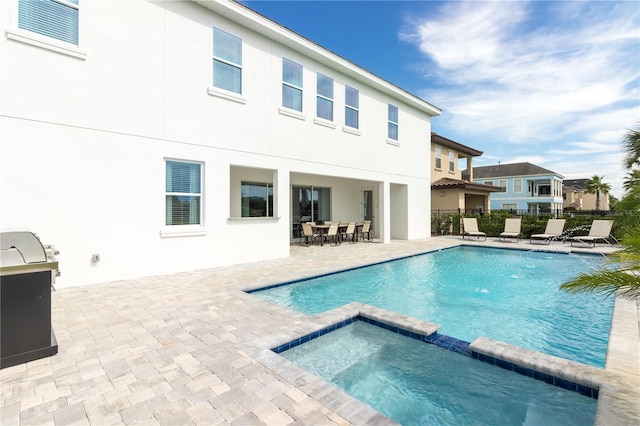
(22,251)
(25,243)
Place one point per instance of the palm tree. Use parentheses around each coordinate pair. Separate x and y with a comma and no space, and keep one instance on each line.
(595,185)
(632,180)
(631,143)
(625,279)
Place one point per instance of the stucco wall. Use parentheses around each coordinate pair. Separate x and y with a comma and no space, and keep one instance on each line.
(84,143)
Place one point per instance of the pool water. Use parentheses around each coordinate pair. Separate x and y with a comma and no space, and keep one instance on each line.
(417,383)
(507,295)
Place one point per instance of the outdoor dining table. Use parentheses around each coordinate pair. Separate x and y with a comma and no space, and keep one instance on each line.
(322,231)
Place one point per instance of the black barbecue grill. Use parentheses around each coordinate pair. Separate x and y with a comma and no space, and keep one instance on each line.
(27,274)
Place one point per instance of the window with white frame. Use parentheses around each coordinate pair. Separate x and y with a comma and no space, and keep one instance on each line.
(392,122)
(438,157)
(488,182)
(517,185)
(57,19)
(502,183)
(452,159)
(324,100)
(509,207)
(291,85)
(351,107)
(257,199)
(183,193)
(227,61)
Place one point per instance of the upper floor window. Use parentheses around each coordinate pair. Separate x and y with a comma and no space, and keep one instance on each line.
(392,120)
(452,161)
(183,193)
(438,157)
(227,61)
(52,18)
(351,107)
(502,183)
(257,199)
(324,100)
(488,182)
(517,185)
(291,85)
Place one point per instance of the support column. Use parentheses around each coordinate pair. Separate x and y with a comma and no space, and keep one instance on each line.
(384,200)
(282,195)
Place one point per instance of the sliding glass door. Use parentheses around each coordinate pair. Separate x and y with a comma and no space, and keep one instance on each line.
(309,204)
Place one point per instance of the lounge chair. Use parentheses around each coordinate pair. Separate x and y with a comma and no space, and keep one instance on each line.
(600,230)
(554,229)
(470,228)
(511,229)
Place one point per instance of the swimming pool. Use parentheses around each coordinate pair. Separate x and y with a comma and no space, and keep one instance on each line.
(419,383)
(504,294)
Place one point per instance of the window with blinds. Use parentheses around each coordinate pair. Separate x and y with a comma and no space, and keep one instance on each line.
(392,123)
(52,18)
(183,193)
(351,107)
(227,61)
(324,100)
(291,85)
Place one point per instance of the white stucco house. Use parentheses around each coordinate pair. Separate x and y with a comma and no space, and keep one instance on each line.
(177,135)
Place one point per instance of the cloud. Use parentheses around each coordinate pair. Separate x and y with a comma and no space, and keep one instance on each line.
(561,77)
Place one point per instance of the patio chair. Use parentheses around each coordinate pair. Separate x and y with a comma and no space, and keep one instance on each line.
(332,234)
(554,230)
(308,235)
(470,228)
(512,228)
(600,230)
(366,229)
(350,230)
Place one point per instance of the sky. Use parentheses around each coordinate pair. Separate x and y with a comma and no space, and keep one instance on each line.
(553,83)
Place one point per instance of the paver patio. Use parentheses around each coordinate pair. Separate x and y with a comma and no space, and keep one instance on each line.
(192,348)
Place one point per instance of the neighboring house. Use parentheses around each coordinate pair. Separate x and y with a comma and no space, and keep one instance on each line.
(451,189)
(170,136)
(575,196)
(525,187)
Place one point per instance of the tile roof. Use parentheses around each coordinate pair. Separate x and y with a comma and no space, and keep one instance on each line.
(445,183)
(514,169)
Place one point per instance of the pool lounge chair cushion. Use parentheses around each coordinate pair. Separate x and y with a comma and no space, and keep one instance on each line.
(511,229)
(470,228)
(554,229)
(600,230)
